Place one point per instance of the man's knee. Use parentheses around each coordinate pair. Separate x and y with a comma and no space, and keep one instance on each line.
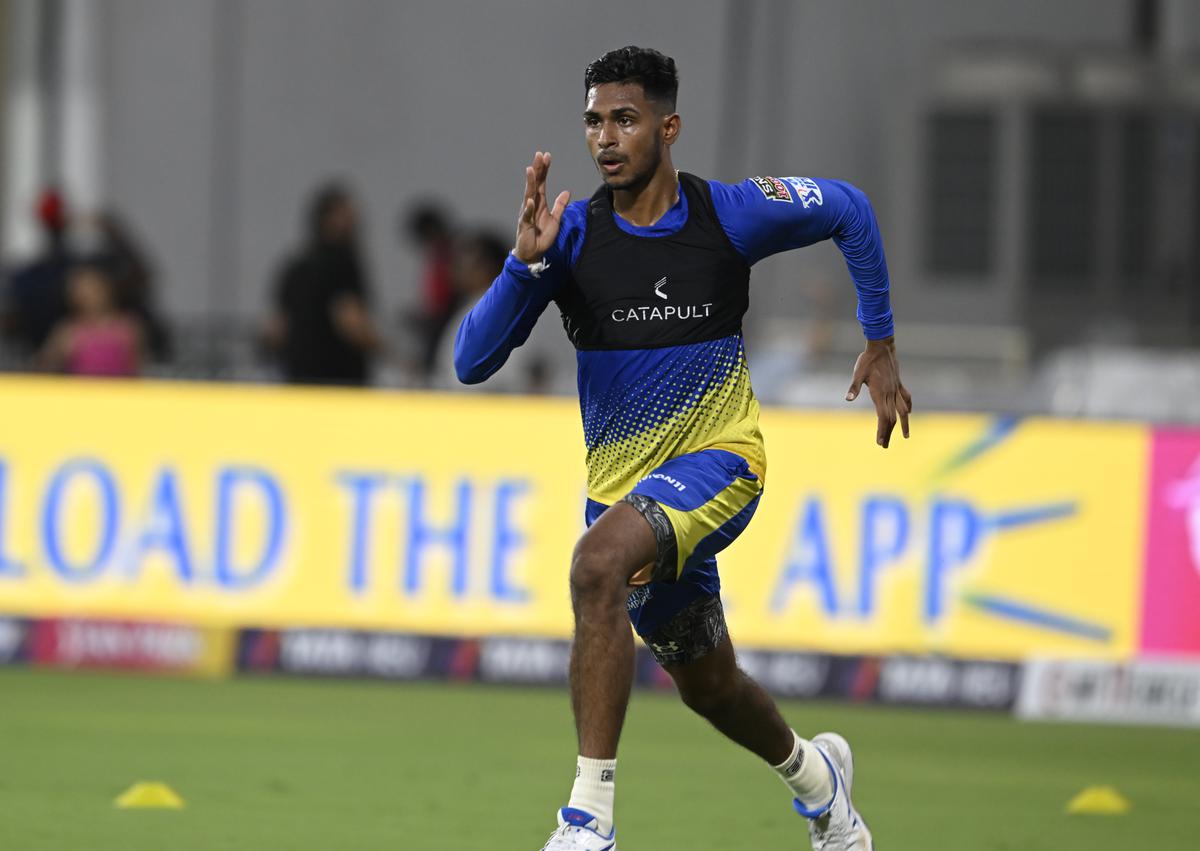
(595,572)
(616,546)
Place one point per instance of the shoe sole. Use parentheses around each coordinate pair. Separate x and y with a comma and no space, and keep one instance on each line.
(836,746)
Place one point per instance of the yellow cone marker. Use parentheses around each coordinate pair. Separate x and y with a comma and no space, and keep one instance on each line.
(1099,801)
(149,796)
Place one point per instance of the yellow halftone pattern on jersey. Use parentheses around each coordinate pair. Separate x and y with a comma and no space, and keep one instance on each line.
(723,416)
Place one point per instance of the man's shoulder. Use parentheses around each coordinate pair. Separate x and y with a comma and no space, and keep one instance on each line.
(740,195)
(572,227)
(774,197)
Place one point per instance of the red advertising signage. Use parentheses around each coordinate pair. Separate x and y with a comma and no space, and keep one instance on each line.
(92,643)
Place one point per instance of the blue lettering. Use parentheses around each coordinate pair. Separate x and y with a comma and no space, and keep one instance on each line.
(165,528)
(422,535)
(52,540)
(884,535)
(362,488)
(229,481)
(808,561)
(954,535)
(507,540)
(8,566)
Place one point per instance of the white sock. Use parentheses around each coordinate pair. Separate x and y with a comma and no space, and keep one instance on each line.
(806,773)
(594,789)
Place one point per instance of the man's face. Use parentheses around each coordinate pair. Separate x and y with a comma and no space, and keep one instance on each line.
(340,223)
(626,133)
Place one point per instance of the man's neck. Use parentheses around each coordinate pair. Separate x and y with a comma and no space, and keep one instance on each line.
(644,206)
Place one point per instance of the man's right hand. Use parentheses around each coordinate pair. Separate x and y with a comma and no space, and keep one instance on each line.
(537,226)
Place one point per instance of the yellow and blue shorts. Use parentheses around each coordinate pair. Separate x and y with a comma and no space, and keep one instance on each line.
(697,505)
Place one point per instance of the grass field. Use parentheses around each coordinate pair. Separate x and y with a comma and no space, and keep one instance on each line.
(288,764)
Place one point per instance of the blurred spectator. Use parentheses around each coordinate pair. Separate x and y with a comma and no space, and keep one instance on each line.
(132,278)
(479,259)
(320,323)
(429,227)
(37,291)
(98,338)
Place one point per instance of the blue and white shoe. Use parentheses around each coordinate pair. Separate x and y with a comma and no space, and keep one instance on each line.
(837,826)
(579,831)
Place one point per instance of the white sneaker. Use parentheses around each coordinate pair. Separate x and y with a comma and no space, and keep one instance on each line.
(579,831)
(837,826)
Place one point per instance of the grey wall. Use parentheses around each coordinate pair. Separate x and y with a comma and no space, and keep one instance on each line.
(405,101)
(220,116)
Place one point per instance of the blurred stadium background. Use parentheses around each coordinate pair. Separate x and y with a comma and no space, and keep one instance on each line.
(1033,551)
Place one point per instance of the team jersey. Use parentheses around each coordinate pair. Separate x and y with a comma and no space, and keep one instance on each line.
(655,314)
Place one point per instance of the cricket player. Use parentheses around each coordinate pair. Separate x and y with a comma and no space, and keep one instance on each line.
(651,276)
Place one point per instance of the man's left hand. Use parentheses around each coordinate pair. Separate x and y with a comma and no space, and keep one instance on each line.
(878,368)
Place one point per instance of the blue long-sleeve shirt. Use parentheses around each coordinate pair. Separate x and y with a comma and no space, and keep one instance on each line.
(761,217)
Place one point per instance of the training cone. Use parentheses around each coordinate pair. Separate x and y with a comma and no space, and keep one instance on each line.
(1098,801)
(149,796)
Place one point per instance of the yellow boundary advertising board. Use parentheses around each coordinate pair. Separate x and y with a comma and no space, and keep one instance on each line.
(456,515)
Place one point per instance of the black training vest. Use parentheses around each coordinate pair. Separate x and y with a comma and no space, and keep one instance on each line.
(646,292)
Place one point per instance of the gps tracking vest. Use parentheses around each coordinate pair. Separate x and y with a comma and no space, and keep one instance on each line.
(646,292)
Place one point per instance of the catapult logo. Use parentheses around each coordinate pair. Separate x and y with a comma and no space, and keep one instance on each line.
(663,313)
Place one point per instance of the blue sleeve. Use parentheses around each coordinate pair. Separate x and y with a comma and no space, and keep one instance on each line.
(767,215)
(502,320)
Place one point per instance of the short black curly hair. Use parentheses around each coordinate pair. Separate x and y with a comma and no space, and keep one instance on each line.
(654,71)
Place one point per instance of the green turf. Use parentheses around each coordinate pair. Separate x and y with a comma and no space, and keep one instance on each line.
(287,764)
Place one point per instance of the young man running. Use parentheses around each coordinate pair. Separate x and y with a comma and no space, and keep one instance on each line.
(651,277)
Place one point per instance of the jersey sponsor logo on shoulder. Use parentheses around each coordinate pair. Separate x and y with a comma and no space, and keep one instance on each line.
(807,191)
(773,189)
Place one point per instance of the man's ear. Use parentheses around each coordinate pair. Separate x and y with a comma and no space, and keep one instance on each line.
(672,124)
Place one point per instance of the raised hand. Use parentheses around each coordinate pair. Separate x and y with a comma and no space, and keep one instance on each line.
(878,368)
(537,225)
